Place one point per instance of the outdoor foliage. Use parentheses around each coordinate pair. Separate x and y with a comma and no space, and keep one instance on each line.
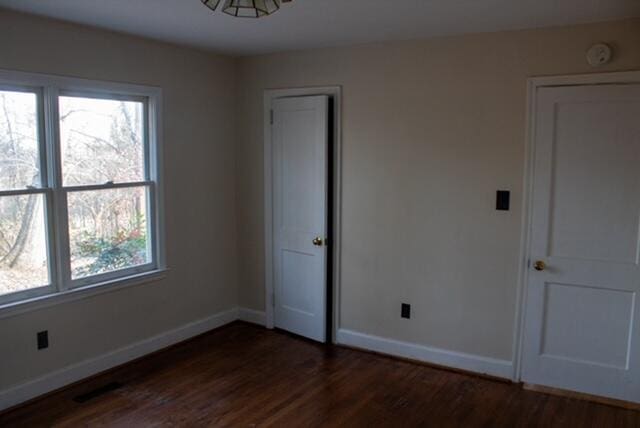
(127,248)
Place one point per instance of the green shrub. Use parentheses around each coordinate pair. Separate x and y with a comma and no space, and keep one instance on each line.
(125,249)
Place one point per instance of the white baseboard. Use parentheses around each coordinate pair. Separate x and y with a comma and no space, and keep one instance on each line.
(73,373)
(252,316)
(458,360)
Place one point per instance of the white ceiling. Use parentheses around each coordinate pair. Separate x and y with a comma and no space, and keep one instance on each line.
(306,24)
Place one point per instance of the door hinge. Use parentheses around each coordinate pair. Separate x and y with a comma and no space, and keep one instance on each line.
(271,116)
(273,299)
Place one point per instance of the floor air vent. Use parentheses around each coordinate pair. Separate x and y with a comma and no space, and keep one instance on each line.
(83,398)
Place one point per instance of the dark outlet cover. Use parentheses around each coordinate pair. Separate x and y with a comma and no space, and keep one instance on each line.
(43,339)
(405,312)
(503,200)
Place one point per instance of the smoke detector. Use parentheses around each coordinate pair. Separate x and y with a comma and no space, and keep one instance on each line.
(599,54)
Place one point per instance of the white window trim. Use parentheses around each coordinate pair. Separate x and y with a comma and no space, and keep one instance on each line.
(63,289)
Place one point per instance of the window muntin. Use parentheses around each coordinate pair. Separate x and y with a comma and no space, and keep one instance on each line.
(107,132)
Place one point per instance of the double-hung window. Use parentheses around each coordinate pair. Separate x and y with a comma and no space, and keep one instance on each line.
(80,185)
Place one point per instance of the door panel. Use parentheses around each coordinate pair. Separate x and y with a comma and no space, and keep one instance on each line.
(296,267)
(300,150)
(575,315)
(581,316)
(595,153)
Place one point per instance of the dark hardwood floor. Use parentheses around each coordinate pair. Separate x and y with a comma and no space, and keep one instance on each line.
(243,375)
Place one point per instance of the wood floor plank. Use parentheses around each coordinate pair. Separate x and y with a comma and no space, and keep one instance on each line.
(244,375)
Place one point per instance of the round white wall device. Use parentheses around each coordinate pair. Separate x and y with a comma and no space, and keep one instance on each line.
(598,54)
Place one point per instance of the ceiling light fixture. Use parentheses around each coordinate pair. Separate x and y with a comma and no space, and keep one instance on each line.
(246,8)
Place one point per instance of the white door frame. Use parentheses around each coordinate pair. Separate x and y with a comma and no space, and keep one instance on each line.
(624,77)
(335,92)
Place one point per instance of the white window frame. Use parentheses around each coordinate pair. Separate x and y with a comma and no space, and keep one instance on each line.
(62,287)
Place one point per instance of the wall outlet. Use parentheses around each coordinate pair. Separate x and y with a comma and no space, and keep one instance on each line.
(405,311)
(503,200)
(43,339)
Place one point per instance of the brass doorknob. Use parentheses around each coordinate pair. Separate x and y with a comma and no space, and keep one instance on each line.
(317,241)
(539,265)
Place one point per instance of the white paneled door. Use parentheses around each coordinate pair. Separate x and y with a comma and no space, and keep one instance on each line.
(582,327)
(300,154)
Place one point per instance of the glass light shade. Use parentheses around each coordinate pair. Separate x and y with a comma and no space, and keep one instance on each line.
(211,4)
(250,8)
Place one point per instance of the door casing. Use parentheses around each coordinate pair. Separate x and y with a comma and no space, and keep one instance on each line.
(628,77)
(335,93)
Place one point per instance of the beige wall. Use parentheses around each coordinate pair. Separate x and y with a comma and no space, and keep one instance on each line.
(431,129)
(199,96)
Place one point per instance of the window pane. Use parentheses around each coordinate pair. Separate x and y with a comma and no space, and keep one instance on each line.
(19,161)
(101,140)
(108,230)
(23,243)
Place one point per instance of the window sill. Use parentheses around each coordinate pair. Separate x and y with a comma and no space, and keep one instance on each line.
(16,308)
